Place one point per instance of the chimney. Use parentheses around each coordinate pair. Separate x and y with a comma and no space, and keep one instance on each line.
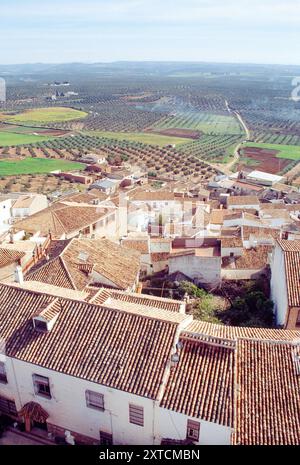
(11,237)
(19,275)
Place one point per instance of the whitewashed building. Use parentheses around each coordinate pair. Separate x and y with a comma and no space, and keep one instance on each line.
(132,369)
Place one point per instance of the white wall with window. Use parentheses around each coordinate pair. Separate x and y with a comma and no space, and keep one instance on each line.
(80,406)
(174,425)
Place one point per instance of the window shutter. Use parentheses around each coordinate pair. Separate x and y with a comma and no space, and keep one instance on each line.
(193,430)
(136,415)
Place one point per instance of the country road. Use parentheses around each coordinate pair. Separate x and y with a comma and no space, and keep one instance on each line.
(236,156)
(227,168)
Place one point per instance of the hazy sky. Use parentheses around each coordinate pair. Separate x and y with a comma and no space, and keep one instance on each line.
(257,31)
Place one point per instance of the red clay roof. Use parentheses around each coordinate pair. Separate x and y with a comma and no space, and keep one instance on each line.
(201,385)
(116,263)
(291,250)
(243,200)
(61,219)
(8,256)
(115,348)
(267,398)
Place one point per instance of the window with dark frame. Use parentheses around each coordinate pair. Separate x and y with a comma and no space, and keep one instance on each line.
(106,439)
(41,386)
(136,415)
(3,377)
(94,400)
(40,325)
(8,407)
(193,430)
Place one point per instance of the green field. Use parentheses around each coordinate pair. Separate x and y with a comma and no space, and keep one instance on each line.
(209,123)
(291,152)
(12,138)
(145,138)
(44,115)
(36,165)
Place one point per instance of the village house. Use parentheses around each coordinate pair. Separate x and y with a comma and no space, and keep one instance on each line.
(78,263)
(64,220)
(160,248)
(250,264)
(16,257)
(107,186)
(129,369)
(201,262)
(141,243)
(105,392)
(27,205)
(285,288)
(243,202)
(253,236)
(92,197)
(263,178)
(94,158)
(77,177)
(154,251)
(216,220)
(275,217)
(240,218)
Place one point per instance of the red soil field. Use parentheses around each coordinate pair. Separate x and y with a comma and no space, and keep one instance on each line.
(265,158)
(51,132)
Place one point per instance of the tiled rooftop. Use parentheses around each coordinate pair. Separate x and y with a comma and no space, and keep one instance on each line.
(120,349)
(66,269)
(267,400)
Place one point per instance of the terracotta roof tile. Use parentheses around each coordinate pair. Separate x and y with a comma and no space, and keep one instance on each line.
(243,200)
(115,263)
(201,384)
(61,219)
(114,348)
(199,328)
(267,398)
(138,244)
(252,259)
(8,256)
(291,250)
(110,296)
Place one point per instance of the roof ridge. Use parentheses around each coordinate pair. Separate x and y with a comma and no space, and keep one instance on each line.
(54,215)
(67,272)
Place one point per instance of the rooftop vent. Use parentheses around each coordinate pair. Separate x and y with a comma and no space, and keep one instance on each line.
(45,319)
(83,256)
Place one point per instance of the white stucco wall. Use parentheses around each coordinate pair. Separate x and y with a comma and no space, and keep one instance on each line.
(67,407)
(203,269)
(236,274)
(226,251)
(254,206)
(160,246)
(240,222)
(278,286)
(5,211)
(173,425)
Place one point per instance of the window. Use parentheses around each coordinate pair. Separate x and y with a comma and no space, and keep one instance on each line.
(106,439)
(193,430)
(136,415)
(298,319)
(41,386)
(8,407)
(3,377)
(40,325)
(94,400)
